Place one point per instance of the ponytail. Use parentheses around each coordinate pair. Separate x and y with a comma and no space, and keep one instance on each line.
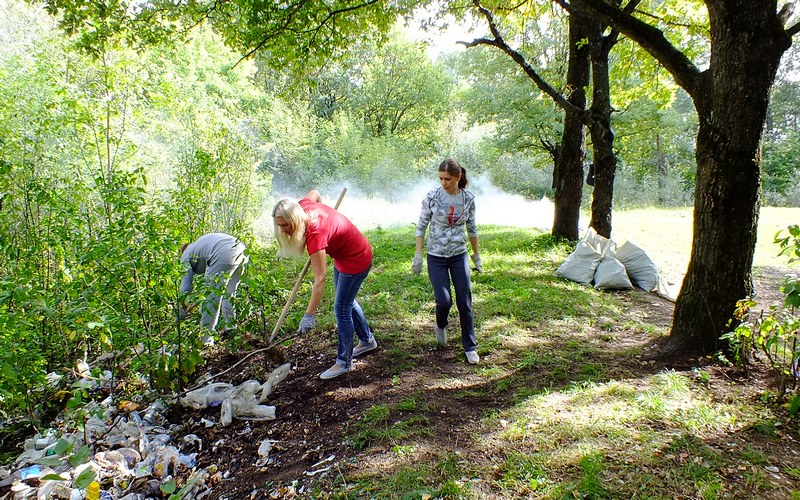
(462,182)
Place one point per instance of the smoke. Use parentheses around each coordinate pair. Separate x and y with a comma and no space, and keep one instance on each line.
(493,207)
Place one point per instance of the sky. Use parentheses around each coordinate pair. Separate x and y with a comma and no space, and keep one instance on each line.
(444,41)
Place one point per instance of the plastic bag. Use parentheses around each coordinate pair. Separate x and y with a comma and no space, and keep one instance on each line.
(610,274)
(641,269)
(581,264)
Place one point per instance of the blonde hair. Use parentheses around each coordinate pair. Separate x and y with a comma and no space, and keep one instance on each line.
(290,245)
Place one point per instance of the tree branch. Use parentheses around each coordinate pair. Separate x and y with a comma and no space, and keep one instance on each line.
(277,31)
(518,58)
(650,38)
(314,30)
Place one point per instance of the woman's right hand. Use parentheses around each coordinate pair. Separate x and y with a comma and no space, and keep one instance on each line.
(307,324)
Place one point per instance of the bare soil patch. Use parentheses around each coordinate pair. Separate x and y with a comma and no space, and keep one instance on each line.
(313,450)
(315,418)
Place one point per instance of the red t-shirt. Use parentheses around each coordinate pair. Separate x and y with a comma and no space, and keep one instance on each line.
(341,239)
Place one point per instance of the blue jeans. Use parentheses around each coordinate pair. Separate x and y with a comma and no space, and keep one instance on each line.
(349,315)
(440,271)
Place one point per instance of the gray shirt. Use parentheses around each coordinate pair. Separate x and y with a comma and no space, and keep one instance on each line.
(451,219)
(210,252)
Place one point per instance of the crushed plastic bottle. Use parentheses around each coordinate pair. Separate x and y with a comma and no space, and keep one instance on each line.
(264,448)
(54,488)
(259,412)
(22,490)
(144,468)
(30,472)
(226,413)
(167,456)
(194,440)
(154,415)
(132,457)
(95,427)
(279,374)
(189,461)
(113,460)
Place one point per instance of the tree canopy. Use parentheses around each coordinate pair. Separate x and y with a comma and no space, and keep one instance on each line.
(150,125)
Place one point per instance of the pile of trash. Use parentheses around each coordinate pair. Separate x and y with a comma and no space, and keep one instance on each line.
(243,401)
(598,261)
(133,455)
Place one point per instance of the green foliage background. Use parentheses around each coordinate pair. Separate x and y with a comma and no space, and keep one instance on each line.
(111,158)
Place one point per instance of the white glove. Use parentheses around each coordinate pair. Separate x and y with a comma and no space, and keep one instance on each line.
(308,322)
(476,260)
(416,264)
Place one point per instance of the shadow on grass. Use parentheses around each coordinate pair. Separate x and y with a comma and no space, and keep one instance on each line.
(563,403)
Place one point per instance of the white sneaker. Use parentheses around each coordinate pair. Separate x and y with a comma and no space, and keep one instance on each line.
(207,340)
(472,357)
(441,336)
(333,372)
(364,347)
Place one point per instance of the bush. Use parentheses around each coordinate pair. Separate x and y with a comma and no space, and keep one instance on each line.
(774,333)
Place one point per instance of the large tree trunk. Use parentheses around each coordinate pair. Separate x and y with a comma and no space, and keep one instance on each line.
(605,161)
(568,173)
(747,42)
(731,96)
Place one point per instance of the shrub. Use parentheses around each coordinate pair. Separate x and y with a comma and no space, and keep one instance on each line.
(774,333)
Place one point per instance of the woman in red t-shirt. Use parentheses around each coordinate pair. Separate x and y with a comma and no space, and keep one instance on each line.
(311,226)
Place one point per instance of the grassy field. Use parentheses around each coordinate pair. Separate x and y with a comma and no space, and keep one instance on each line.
(666,235)
(565,403)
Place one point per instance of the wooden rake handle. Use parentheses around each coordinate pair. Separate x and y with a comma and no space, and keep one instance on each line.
(297,283)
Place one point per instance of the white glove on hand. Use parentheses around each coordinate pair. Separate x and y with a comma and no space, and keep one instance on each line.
(416,264)
(476,260)
(308,322)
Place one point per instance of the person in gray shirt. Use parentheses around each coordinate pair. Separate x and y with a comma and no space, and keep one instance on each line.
(221,258)
(448,214)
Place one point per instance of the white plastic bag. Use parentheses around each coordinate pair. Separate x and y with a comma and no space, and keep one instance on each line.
(641,269)
(611,275)
(581,264)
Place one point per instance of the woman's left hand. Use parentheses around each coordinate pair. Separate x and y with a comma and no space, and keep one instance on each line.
(476,260)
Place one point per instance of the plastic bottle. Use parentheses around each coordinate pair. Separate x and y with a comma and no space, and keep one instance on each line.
(279,374)
(261,412)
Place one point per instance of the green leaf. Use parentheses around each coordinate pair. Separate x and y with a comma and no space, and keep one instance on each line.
(52,477)
(84,479)
(183,491)
(169,487)
(80,456)
(62,446)
(794,404)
